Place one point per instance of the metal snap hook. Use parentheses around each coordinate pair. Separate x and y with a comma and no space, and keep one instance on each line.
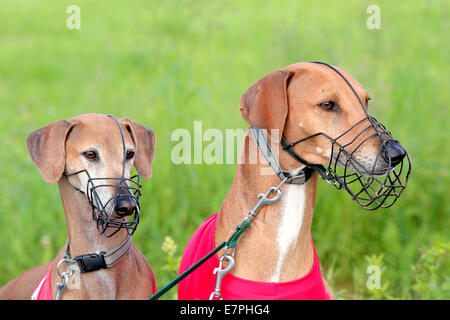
(220,274)
(62,284)
(265,198)
(68,262)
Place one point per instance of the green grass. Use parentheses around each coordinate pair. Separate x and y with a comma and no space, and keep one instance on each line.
(168,63)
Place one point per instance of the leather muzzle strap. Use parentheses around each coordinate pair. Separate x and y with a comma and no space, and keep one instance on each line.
(315,167)
(264,147)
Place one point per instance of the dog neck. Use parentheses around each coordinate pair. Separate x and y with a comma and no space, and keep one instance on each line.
(278,245)
(84,238)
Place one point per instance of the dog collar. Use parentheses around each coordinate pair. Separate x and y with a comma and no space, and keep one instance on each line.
(96,261)
(264,147)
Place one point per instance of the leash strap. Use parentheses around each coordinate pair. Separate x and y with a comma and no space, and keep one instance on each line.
(178,279)
(229,244)
(264,147)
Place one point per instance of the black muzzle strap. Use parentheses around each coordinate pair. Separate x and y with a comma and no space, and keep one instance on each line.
(314,167)
(265,149)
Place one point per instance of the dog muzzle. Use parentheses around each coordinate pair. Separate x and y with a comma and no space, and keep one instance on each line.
(373,182)
(120,211)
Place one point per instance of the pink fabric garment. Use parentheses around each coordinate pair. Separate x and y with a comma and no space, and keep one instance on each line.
(199,284)
(43,290)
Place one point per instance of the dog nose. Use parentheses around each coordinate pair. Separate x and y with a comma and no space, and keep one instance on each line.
(125,205)
(394,152)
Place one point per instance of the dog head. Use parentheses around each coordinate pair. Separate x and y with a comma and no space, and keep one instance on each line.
(92,144)
(325,111)
(304,99)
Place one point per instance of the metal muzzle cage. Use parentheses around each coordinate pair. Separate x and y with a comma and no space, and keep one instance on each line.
(374,185)
(110,220)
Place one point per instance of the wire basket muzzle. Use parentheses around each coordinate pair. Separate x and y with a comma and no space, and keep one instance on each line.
(373,177)
(108,221)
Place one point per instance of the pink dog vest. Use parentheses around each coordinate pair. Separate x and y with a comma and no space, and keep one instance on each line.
(199,284)
(43,290)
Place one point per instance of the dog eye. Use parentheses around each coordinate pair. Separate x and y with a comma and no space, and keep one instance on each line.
(328,105)
(130,154)
(90,155)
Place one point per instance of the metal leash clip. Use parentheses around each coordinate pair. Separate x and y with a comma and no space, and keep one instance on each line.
(263,200)
(231,243)
(220,274)
(64,276)
(61,285)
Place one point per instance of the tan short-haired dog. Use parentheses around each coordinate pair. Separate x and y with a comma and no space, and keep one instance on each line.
(91,156)
(325,112)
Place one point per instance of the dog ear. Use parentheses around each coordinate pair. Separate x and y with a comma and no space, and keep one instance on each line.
(47,149)
(145,141)
(264,105)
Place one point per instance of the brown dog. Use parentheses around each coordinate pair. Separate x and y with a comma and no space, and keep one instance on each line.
(92,145)
(297,102)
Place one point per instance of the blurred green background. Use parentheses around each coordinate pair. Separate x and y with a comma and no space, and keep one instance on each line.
(168,63)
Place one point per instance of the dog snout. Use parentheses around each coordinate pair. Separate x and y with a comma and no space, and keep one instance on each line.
(125,205)
(393,152)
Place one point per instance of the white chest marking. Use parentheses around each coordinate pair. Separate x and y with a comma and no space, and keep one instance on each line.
(108,284)
(290,224)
